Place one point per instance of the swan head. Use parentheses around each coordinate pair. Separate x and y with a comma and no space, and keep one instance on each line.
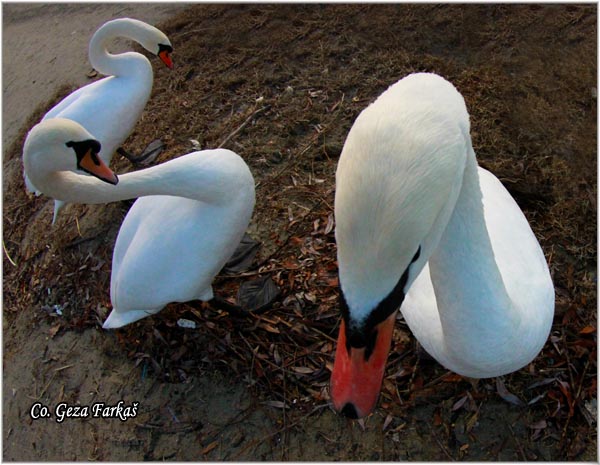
(164,53)
(59,144)
(153,40)
(149,37)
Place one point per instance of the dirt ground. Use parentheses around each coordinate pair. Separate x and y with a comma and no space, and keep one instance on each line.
(281,85)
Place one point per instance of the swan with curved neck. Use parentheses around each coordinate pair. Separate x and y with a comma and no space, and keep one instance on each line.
(190,217)
(110,107)
(420,227)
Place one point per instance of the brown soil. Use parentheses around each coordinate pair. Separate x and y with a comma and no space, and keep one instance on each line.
(257,388)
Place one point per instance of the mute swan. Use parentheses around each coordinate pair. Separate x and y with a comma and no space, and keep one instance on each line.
(109,108)
(192,214)
(420,227)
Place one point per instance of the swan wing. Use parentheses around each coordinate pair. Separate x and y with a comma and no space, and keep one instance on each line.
(108,109)
(169,249)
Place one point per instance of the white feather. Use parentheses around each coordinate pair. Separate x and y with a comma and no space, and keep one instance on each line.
(483,303)
(109,108)
(191,216)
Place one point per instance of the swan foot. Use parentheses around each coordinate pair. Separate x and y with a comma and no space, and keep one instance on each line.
(258,295)
(150,153)
(255,296)
(243,256)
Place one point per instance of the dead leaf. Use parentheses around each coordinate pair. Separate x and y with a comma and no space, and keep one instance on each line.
(506,395)
(310,297)
(276,404)
(536,399)
(290,264)
(303,370)
(588,330)
(330,224)
(389,386)
(210,447)
(539,424)
(295,240)
(387,421)
(269,328)
(53,330)
(565,389)
(472,422)
(459,403)
(543,382)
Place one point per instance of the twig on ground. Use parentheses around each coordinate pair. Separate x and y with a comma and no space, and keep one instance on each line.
(243,125)
(7,254)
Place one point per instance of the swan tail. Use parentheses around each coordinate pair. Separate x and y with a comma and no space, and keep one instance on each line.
(206,294)
(118,319)
(29,186)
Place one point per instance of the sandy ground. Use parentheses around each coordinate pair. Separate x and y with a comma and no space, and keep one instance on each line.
(207,409)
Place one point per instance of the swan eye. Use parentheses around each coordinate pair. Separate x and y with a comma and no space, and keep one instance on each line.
(361,338)
(85,146)
(164,48)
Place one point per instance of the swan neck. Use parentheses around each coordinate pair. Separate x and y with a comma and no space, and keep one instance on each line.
(212,177)
(123,64)
(464,272)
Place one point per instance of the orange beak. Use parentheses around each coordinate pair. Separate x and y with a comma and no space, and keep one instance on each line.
(166,58)
(356,381)
(91,163)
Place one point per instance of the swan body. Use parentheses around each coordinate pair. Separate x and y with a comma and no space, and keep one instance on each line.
(110,107)
(192,214)
(420,227)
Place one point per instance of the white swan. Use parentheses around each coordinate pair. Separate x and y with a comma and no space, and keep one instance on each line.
(192,214)
(419,224)
(109,108)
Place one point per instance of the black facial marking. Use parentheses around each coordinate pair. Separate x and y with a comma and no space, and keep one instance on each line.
(164,48)
(83,147)
(371,341)
(365,335)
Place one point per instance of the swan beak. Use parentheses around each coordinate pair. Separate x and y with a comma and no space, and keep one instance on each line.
(91,163)
(166,58)
(356,379)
